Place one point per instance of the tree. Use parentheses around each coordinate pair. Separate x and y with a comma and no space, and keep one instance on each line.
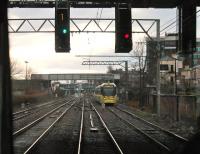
(110,69)
(15,69)
(18,71)
(140,65)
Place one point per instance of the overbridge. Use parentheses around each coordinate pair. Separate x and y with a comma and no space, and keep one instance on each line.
(83,76)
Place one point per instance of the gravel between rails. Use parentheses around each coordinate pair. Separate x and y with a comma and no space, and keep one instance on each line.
(97,142)
(17,124)
(63,138)
(32,106)
(173,143)
(24,140)
(128,139)
(184,129)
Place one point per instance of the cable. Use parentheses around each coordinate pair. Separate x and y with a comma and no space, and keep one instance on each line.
(168,26)
(172,23)
(187,19)
(168,21)
(165,24)
(100,14)
(197,17)
(184,20)
(97,12)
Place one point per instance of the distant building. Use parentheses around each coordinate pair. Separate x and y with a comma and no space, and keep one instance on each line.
(133,78)
(168,63)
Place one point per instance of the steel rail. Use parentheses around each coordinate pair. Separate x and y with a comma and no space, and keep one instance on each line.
(81,129)
(32,108)
(37,106)
(107,130)
(22,116)
(47,130)
(154,125)
(18,132)
(141,131)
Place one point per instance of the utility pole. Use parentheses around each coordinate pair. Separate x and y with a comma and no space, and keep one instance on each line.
(177,100)
(175,90)
(126,82)
(158,68)
(175,85)
(140,96)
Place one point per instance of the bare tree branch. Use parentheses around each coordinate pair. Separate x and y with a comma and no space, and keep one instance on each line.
(15,68)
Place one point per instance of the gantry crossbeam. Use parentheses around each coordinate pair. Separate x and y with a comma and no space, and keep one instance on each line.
(103,25)
(103,63)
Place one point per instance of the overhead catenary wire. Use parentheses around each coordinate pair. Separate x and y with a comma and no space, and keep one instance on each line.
(100,14)
(175,22)
(172,23)
(185,20)
(197,17)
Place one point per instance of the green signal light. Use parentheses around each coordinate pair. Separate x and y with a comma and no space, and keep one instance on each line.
(64,31)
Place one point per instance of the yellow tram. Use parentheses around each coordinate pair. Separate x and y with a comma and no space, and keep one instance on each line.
(106,93)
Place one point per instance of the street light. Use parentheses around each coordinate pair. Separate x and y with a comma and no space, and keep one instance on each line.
(26,62)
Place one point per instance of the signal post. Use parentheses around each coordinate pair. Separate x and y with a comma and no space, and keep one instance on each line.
(62,26)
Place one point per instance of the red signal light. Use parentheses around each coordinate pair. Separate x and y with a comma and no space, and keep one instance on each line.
(126,36)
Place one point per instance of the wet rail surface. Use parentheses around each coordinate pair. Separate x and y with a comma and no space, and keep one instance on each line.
(34,108)
(64,137)
(85,127)
(97,137)
(20,112)
(80,131)
(129,140)
(166,140)
(23,118)
(25,139)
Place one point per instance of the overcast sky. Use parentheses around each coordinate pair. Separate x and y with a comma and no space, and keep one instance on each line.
(38,49)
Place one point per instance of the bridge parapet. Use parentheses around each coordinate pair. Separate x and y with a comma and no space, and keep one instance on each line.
(74,76)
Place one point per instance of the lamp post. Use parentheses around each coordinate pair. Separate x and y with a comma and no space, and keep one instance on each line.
(26,62)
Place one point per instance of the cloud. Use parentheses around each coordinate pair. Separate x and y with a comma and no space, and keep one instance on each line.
(39,49)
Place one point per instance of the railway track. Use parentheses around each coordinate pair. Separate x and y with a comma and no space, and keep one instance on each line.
(31,110)
(27,137)
(65,136)
(127,139)
(94,136)
(35,114)
(84,127)
(78,136)
(165,139)
(115,145)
